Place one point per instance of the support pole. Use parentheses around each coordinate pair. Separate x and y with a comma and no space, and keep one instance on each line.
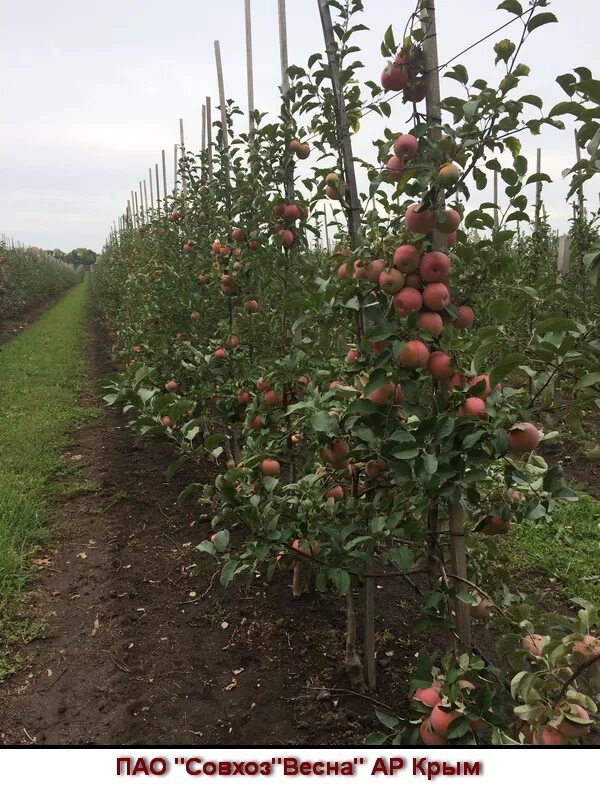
(249,65)
(209,136)
(538,190)
(369,633)
(164,172)
(458,547)
(146,199)
(182,145)
(355,211)
(175,168)
(151,189)
(157,188)
(222,103)
(142,212)
(283,48)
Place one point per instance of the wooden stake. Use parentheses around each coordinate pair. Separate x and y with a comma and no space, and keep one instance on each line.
(209,135)
(283,48)
(249,65)
(164,172)
(151,189)
(458,547)
(355,211)
(203,147)
(353,664)
(146,198)
(141,203)
(564,244)
(222,103)
(369,633)
(175,168)
(326,225)
(137,208)
(157,188)
(182,143)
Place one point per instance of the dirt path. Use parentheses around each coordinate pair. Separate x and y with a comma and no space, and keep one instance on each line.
(131,656)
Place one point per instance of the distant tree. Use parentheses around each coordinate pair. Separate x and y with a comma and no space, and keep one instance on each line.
(81,256)
(57,253)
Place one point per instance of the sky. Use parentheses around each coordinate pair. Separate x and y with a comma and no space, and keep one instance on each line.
(92,91)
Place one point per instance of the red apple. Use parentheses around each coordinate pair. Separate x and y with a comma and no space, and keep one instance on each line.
(406,301)
(270,467)
(450,224)
(464,318)
(406,146)
(441,719)
(374,270)
(391,281)
(473,407)
(419,221)
(406,259)
(414,354)
(523,437)
(436,296)
(395,168)
(434,267)
(394,77)
(440,365)
(430,321)
(428,737)
(292,212)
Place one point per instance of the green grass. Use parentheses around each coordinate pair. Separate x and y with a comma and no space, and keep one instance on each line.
(568,549)
(42,373)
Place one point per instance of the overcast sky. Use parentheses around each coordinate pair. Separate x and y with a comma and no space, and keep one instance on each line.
(91,91)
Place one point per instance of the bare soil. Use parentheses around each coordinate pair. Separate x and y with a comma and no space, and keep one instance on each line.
(138,651)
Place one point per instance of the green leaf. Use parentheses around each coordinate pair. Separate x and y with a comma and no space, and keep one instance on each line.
(591,89)
(228,571)
(500,309)
(512,6)
(206,547)
(538,177)
(458,73)
(566,107)
(353,304)
(387,718)
(505,367)
(221,541)
(540,19)
(591,379)
(459,727)
(323,422)
(389,40)
(376,738)
(504,50)
(340,579)
(532,100)
(430,463)
(444,427)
